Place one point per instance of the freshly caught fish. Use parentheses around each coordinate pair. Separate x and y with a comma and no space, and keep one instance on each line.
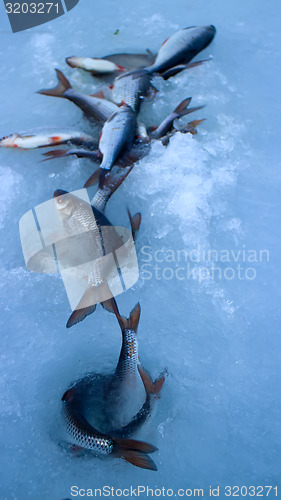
(181,47)
(86,436)
(117,135)
(80,219)
(95,66)
(125,399)
(131,88)
(94,107)
(40,140)
(167,124)
(130,385)
(112,63)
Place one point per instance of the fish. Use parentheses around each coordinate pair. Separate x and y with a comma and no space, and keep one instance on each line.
(131,88)
(98,108)
(83,223)
(131,386)
(181,47)
(90,242)
(167,124)
(94,65)
(113,63)
(86,436)
(41,139)
(129,389)
(117,135)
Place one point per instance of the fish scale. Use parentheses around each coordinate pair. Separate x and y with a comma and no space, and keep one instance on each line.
(84,434)
(131,88)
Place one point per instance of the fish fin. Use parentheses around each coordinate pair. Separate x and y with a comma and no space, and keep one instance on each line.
(94,178)
(68,395)
(150,386)
(86,306)
(135,457)
(55,153)
(135,223)
(148,51)
(60,89)
(183,105)
(134,318)
(110,305)
(182,110)
(120,68)
(181,67)
(191,126)
(99,94)
(152,91)
(133,444)
(135,452)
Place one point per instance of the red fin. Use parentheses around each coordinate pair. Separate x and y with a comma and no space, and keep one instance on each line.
(135,452)
(55,153)
(99,94)
(60,89)
(164,42)
(150,386)
(135,222)
(134,318)
(121,68)
(111,87)
(138,459)
(94,179)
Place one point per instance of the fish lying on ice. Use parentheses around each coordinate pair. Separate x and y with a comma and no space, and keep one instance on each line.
(117,135)
(181,47)
(41,139)
(95,66)
(86,436)
(131,88)
(125,399)
(81,219)
(112,63)
(99,109)
(166,126)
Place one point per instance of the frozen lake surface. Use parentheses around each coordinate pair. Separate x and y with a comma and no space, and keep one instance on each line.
(218,421)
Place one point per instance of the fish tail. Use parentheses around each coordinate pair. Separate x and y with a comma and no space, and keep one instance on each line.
(182,110)
(94,178)
(135,452)
(153,388)
(135,222)
(62,86)
(88,303)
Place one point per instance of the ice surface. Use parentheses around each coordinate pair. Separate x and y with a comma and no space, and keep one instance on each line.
(218,420)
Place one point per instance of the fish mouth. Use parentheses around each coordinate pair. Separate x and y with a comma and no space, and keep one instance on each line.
(71,61)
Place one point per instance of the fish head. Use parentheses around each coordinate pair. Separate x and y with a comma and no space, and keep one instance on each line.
(9,141)
(65,202)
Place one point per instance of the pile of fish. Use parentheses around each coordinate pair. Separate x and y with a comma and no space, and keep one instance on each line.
(103,412)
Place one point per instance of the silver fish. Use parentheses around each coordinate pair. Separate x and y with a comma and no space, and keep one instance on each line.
(131,88)
(167,124)
(86,436)
(94,65)
(117,135)
(94,107)
(41,139)
(112,63)
(181,47)
(82,223)
(129,388)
